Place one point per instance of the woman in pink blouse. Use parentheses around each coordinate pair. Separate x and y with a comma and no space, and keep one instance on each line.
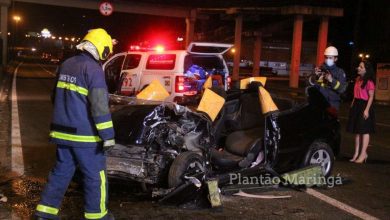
(361,116)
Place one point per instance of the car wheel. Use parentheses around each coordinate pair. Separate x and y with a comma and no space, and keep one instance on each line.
(320,153)
(186,164)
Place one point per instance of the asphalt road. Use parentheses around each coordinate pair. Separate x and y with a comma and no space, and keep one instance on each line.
(368,189)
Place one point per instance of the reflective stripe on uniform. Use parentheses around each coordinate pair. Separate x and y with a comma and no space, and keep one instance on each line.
(73,87)
(104,125)
(102,191)
(337,85)
(47,209)
(102,199)
(76,138)
(95,215)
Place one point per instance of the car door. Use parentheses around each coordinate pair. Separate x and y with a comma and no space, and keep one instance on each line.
(161,67)
(130,74)
(112,69)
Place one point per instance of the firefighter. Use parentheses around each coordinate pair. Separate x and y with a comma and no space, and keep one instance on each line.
(81,128)
(329,78)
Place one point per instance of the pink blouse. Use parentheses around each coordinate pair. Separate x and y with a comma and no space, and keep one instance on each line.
(360,93)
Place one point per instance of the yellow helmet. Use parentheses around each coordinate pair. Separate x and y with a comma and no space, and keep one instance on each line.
(101,40)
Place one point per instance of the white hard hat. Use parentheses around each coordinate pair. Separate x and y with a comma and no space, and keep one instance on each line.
(331,51)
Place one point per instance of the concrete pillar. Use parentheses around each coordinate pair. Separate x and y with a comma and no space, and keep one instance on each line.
(237,47)
(296,51)
(257,54)
(4,32)
(190,27)
(322,40)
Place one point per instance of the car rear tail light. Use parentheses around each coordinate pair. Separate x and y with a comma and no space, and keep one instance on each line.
(185,85)
(229,82)
(179,84)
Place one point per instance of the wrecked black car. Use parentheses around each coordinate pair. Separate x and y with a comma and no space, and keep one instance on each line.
(164,145)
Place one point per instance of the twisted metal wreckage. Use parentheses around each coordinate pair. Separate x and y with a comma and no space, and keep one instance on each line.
(184,155)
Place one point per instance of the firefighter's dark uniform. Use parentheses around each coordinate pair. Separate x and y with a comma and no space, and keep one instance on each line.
(81,121)
(332,91)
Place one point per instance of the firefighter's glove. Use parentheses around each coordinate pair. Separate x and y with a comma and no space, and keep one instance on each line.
(108,144)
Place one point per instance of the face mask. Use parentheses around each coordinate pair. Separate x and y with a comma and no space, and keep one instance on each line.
(329,62)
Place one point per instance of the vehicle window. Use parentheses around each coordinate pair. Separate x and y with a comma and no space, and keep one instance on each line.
(206,62)
(112,72)
(131,61)
(161,61)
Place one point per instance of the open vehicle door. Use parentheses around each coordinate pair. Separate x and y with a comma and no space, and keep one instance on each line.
(113,71)
(202,48)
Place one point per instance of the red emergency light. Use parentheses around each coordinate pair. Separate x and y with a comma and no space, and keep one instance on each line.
(135,47)
(159,48)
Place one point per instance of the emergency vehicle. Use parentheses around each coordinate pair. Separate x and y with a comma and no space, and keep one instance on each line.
(129,72)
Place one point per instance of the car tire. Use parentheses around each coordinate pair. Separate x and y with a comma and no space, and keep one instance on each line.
(320,153)
(183,164)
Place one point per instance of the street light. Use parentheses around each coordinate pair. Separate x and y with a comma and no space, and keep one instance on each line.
(45,33)
(364,56)
(14,41)
(17,18)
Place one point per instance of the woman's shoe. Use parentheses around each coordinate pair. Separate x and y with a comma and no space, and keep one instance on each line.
(355,157)
(361,160)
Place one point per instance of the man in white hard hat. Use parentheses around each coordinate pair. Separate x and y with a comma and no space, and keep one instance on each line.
(329,78)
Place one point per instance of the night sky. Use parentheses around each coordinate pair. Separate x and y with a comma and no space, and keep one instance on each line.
(372,27)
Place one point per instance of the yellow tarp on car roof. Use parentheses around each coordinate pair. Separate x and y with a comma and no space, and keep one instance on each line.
(208,84)
(211,103)
(154,92)
(267,104)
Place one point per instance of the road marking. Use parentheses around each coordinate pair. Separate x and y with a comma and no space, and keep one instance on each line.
(377,123)
(47,70)
(17,163)
(340,205)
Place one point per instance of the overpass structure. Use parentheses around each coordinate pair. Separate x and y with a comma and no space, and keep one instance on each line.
(189,14)
(297,9)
